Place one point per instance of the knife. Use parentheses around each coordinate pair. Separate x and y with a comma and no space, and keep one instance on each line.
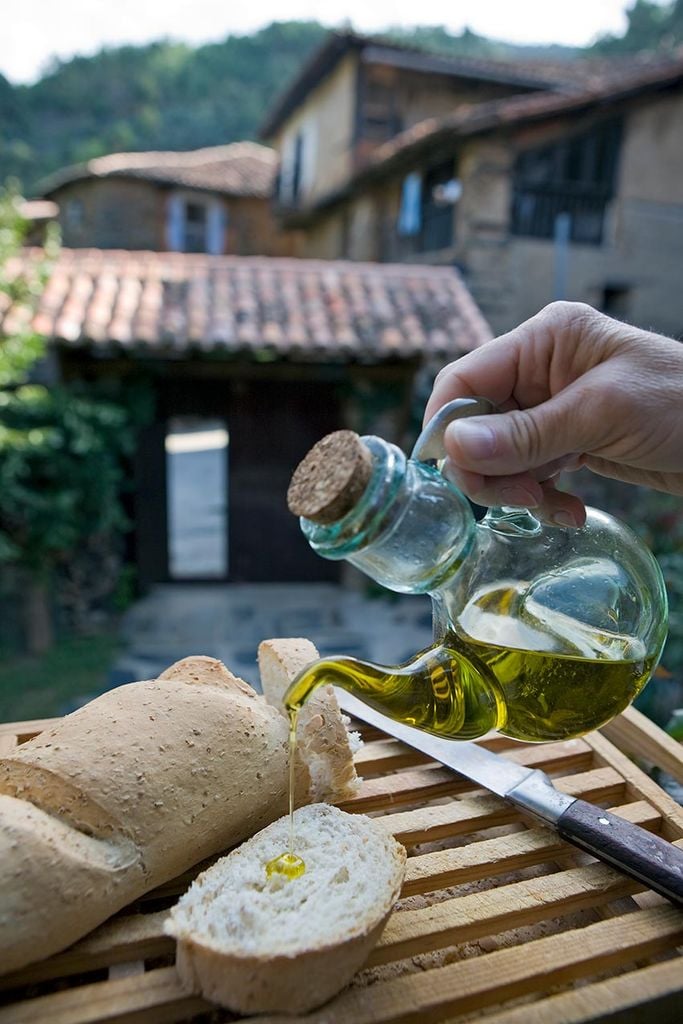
(651,860)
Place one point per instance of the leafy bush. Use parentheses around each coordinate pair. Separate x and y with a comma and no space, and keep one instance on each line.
(63,453)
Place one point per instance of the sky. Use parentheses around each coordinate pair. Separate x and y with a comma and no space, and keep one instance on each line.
(40,29)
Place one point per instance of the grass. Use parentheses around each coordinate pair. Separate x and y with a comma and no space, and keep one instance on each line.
(47,686)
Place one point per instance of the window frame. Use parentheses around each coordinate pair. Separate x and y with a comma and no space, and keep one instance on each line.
(574,175)
(214,227)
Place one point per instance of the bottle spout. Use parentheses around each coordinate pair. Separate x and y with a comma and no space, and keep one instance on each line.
(442,690)
(369,682)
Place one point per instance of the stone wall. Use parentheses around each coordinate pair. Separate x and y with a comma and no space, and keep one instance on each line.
(112,213)
(121,213)
(635,273)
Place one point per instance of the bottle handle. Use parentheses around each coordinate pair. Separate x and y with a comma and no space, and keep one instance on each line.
(429,448)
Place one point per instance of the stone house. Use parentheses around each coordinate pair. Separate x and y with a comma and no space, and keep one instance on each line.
(279,351)
(214,200)
(356,93)
(572,192)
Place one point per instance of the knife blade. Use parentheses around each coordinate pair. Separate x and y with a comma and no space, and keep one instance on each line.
(646,857)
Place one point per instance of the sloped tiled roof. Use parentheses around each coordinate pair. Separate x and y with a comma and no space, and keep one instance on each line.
(175,304)
(239,168)
(379,50)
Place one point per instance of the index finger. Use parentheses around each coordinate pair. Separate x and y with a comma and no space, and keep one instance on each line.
(488,372)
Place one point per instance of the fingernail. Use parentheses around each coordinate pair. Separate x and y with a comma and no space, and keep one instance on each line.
(564,518)
(475,439)
(518,497)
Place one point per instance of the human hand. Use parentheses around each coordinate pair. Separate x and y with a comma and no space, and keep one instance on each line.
(575,388)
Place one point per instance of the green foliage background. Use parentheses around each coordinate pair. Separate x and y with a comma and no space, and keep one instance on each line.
(64,455)
(168,95)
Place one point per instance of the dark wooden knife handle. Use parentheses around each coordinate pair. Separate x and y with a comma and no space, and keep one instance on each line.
(628,847)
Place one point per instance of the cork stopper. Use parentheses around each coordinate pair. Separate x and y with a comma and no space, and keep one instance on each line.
(328,482)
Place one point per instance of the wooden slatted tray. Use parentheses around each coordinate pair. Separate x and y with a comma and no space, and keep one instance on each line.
(499,919)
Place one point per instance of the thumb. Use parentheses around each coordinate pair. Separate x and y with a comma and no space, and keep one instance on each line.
(516,441)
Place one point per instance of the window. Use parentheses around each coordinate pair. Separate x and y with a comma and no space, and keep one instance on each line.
(296,172)
(380,118)
(437,215)
(195,224)
(616,300)
(575,177)
(297,166)
(75,213)
(410,214)
(426,215)
(195,227)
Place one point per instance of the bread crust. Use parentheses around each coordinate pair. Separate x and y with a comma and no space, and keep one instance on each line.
(321,729)
(279,984)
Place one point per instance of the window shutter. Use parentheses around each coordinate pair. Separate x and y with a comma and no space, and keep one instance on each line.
(410,214)
(175,224)
(215,228)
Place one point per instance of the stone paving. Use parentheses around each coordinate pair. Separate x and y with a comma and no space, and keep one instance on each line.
(228,621)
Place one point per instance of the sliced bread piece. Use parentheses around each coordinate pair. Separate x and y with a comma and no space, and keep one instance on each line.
(256,944)
(322,729)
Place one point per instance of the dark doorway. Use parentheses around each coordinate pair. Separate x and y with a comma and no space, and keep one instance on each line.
(191,521)
(272,426)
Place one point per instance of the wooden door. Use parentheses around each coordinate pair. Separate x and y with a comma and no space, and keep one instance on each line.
(272,425)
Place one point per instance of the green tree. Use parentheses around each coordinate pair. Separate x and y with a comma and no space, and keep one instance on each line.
(167,95)
(20,286)
(62,450)
(651,26)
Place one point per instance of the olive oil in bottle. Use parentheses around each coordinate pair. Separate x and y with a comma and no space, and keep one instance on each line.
(527,671)
(288,864)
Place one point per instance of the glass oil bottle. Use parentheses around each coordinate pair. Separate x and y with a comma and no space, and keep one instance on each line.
(540,632)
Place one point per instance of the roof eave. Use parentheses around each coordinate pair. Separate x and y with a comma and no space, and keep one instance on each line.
(160,181)
(429,63)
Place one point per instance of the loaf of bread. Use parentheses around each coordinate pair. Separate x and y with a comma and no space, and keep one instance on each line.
(257,944)
(131,790)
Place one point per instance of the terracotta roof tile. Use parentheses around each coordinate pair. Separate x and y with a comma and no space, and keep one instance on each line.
(240,168)
(171,304)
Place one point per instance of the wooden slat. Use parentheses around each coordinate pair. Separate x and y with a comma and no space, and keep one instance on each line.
(463,918)
(8,743)
(427,824)
(122,940)
(156,997)
(390,755)
(387,756)
(637,735)
(641,785)
(26,730)
(484,981)
(490,857)
(657,986)
(428,997)
(435,782)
